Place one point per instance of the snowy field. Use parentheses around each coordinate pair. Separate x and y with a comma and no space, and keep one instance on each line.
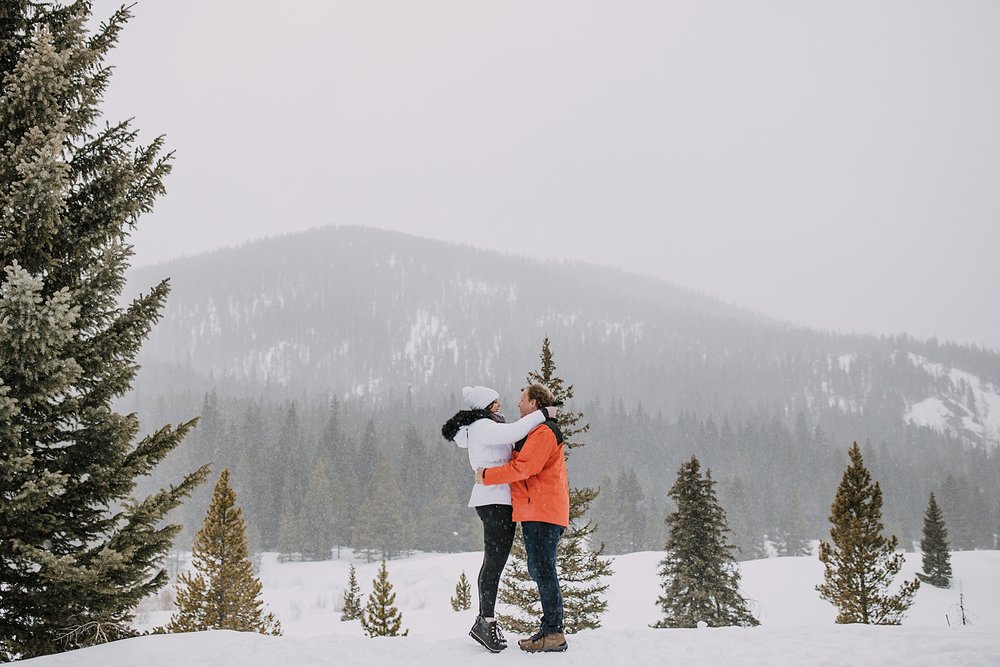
(797,627)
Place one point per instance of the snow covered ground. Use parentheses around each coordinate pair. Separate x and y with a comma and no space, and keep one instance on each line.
(797,627)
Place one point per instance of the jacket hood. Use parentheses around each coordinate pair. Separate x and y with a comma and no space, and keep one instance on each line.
(463,418)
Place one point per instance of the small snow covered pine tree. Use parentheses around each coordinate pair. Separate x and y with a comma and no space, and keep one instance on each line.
(221,593)
(581,565)
(701,582)
(934,545)
(352,598)
(463,594)
(380,617)
(860,564)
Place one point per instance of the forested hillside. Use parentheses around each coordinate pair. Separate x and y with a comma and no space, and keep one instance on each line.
(324,363)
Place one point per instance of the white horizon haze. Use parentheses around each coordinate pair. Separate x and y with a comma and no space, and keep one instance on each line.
(830,164)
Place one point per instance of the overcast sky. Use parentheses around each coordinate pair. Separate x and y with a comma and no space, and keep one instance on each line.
(834,164)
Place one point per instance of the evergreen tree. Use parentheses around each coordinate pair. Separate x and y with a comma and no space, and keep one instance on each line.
(352,598)
(954,506)
(77,550)
(701,582)
(318,514)
(346,497)
(580,565)
(934,545)
(632,516)
(380,618)
(221,593)
(860,564)
(744,520)
(291,535)
(618,512)
(606,513)
(453,528)
(415,471)
(380,523)
(792,537)
(463,594)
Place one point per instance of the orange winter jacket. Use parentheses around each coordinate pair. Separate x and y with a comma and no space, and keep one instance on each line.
(539,485)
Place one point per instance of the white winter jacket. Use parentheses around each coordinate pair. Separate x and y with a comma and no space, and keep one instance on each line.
(490,444)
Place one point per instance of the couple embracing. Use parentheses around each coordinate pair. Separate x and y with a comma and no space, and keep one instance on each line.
(520,477)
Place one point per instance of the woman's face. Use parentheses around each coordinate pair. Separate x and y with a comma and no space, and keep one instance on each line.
(494,406)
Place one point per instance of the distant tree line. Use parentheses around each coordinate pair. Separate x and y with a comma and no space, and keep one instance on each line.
(316,474)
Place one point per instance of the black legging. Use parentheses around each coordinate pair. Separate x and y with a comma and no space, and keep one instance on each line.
(498,536)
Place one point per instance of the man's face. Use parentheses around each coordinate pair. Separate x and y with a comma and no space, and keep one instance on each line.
(525,405)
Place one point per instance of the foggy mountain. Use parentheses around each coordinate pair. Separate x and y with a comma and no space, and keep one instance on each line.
(377,320)
(356,312)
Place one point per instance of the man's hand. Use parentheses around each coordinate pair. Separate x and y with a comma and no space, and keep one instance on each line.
(479,475)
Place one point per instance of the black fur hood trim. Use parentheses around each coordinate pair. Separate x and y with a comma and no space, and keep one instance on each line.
(463,418)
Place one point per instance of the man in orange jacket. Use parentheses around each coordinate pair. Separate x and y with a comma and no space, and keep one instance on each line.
(539,489)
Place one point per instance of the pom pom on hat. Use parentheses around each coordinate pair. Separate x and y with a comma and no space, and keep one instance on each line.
(479,398)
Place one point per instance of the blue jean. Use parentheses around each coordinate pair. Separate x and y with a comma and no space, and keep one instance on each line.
(540,541)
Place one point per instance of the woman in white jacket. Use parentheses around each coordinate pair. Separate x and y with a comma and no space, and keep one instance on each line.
(490,441)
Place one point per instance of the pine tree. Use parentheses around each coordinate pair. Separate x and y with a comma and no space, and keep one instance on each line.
(792,535)
(463,594)
(77,550)
(291,534)
(221,593)
(380,523)
(743,520)
(580,565)
(701,582)
(318,514)
(860,564)
(380,617)
(416,468)
(352,598)
(954,506)
(934,545)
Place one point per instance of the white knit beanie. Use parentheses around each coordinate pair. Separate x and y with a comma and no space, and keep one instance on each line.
(479,398)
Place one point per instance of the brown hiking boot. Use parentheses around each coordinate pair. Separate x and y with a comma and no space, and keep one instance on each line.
(538,643)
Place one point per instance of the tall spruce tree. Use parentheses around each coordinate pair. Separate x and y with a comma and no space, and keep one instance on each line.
(77,551)
(380,617)
(580,564)
(934,545)
(221,593)
(860,564)
(701,582)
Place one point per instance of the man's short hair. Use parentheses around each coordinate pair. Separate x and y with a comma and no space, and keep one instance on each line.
(541,395)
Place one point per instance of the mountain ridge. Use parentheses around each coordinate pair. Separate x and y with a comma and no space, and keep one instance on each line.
(361,312)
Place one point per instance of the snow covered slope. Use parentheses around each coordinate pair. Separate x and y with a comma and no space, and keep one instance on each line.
(969,407)
(797,627)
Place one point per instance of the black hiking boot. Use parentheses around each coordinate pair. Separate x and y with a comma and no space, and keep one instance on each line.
(488,634)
